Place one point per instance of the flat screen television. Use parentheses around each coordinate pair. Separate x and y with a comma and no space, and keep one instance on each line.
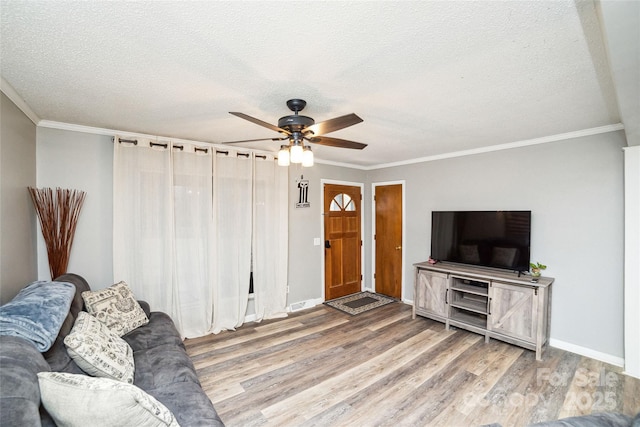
(498,239)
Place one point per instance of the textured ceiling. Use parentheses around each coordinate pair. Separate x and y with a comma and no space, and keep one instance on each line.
(428,78)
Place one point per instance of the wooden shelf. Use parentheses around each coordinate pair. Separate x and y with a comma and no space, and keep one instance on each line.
(479,321)
(477,290)
(470,305)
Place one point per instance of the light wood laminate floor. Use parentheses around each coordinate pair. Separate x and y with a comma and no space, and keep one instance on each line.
(321,367)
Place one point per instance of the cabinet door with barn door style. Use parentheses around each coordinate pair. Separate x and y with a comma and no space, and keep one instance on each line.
(513,311)
(430,294)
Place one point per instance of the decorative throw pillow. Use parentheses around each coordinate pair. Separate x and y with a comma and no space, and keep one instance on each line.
(78,400)
(116,307)
(99,351)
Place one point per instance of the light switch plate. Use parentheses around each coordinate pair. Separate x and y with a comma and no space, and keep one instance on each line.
(316,241)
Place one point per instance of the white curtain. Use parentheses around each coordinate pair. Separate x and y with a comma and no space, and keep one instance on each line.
(143,222)
(187,222)
(270,238)
(192,194)
(232,217)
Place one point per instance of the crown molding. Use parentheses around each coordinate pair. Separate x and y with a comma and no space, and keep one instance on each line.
(92,130)
(11,93)
(453,154)
(126,134)
(113,132)
(342,165)
(507,146)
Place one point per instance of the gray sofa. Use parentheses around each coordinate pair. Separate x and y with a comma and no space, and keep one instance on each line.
(162,369)
(605,419)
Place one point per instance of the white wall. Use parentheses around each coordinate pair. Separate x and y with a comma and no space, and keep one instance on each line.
(81,161)
(632,266)
(17,215)
(574,189)
(305,259)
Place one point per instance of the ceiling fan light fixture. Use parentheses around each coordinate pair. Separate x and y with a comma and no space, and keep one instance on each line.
(307,157)
(295,152)
(283,156)
(296,128)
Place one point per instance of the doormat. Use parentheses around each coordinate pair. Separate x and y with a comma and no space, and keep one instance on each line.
(360,302)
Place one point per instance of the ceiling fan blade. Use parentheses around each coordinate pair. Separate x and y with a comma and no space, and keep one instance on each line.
(333,125)
(336,142)
(253,140)
(260,122)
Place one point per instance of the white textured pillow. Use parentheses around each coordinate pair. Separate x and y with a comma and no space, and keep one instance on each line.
(79,401)
(116,307)
(99,351)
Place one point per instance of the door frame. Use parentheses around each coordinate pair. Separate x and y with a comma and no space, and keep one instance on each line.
(402,183)
(322,213)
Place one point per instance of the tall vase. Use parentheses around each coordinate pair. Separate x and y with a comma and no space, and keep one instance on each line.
(58,213)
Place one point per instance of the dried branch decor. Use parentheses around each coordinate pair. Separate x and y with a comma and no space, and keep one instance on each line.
(58,213)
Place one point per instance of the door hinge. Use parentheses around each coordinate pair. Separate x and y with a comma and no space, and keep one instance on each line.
(374,275)
(360,242)
(535,290)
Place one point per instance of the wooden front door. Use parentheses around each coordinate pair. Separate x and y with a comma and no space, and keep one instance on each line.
(388,238)
(342,240)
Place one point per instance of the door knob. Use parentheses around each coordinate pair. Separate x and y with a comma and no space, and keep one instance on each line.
(398,248)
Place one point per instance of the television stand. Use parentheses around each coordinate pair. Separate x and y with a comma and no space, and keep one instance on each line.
(497,304)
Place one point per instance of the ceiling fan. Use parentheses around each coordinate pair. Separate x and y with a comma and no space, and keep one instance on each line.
(297,128)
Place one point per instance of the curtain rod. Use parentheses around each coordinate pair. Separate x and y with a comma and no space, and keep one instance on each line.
(181,148)
(129,141)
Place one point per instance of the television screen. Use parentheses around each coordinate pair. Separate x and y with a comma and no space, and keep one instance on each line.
(499,239)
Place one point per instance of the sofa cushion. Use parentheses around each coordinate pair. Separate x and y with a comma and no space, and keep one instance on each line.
(81,286)
(162,365)
(188,403)
(79,400)
(99,351)
(57,356)
(606,419)
(21,362)
(116,307)
(159,331)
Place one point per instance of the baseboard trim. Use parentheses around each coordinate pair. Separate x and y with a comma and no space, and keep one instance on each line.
(587,352)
